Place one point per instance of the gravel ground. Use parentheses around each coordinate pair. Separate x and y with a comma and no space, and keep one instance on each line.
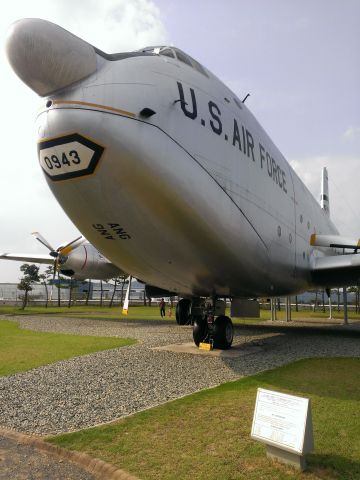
(24,462)
(104,386)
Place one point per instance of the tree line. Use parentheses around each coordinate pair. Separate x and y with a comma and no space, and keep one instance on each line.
(32,276)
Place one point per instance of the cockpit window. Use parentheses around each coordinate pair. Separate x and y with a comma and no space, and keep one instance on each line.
(199,67)
(150,49)
(114,57)
(175,53)
(183,58)
(178,54)
(167,52)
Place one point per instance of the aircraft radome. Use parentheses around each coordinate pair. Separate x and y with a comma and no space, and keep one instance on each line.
(77,259)
(165,170)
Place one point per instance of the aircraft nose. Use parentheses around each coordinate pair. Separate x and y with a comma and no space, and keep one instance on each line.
(46,57)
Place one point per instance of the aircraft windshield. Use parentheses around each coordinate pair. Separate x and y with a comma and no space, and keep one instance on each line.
(166,51)
(178,54)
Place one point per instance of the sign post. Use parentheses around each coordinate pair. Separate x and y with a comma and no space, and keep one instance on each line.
(283,422)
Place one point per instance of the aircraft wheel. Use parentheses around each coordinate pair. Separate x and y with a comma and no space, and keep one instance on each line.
(183,311)
(200,330)
(223,332)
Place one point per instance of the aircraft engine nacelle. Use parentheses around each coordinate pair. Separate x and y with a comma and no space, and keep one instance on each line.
(86,262)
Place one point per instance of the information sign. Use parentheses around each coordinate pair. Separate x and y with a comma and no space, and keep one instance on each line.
(283,421)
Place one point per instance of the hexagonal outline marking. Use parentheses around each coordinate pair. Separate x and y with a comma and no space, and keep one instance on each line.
(73,137)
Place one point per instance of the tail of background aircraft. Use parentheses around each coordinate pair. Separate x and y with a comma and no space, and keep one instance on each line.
(324,196)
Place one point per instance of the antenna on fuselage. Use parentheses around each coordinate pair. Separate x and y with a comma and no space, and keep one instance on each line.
(324,196)
(246,97)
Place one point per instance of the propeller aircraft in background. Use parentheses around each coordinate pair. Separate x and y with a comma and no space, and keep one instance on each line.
(167,172)
(77,259)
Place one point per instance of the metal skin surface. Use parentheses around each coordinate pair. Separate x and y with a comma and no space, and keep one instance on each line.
(201,215)
(81,263)
(87,262)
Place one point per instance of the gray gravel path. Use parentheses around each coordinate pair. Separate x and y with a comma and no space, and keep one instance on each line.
(101,387)
(24,462)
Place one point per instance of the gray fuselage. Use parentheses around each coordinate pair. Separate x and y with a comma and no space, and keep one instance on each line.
(194,198)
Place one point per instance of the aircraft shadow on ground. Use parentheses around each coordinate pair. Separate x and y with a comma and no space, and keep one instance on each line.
(338,330)
(258,356)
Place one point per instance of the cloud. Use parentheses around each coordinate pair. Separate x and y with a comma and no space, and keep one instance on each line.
(113,25)
(352,132)
(26,201)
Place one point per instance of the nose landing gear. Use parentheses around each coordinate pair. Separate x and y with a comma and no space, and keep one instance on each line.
(218,332)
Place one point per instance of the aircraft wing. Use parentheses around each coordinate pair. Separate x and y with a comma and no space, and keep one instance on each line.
(28,258)
(336,270)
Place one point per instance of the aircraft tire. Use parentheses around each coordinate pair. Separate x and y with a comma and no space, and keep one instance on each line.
(200,330)
(223,332)
(183,311)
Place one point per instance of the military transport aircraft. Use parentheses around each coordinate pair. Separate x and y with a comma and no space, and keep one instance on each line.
(166,171)
(77,259)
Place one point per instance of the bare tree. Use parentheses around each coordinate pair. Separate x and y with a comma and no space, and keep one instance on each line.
(59,286)
(316,300)
(116,281)
(45,276)
(356,291)
(88,292)
(101,293)
(58,289)
(70,292)
(149,299)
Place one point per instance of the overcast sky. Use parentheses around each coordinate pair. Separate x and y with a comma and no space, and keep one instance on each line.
(299,60)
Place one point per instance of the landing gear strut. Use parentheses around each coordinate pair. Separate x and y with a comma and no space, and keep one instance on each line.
(218,332)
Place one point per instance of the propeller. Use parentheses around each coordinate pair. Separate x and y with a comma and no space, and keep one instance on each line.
(127,298)
(43,241)
(66,249)
(61,252)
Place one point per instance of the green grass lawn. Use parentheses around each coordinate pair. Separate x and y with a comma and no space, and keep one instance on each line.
(91,311)
(21,350)
(207,435)
(141,313)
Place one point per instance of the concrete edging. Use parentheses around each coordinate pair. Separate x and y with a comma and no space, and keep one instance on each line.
(95,466)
